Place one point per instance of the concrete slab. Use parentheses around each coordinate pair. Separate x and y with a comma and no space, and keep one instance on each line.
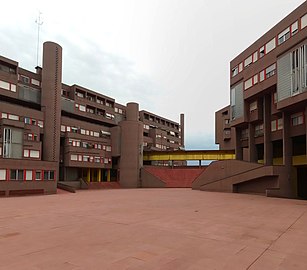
(152,229)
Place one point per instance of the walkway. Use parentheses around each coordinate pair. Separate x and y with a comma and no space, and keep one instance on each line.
(152,229)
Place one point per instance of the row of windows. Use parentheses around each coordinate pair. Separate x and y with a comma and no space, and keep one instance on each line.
(94,110)
(7,68)
(8,86)
(27,80)
(271,45)
(88,158)
(27,153)
(27,120)
(118,110)
(160,146)
(94,98)
(160,121)
(277,124)
(260,77)
(26,175)
(79,143)
(85,131)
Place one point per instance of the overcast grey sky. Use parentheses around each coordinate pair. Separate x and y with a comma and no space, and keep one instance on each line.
(171,56)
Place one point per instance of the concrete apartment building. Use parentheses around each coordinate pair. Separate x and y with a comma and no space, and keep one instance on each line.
(51,132)
(266,120)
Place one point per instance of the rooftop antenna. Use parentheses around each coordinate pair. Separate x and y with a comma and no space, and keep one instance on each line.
(39,22)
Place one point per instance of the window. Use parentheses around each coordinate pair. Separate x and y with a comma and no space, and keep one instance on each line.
(13,117)
(74,130)
(261,76)
(255,56)
(283,36)
(82,108)
(35,82)
(32,137)
(261,52)
(97,159)
(244,134)
(73,157)
(4,85)
(26,153)
(7,143)
(304,21)
(248,83)
(240,67)
(48,175)
(270,71)
(38,175)
(34,153)
(248,61)
(96,134)
(294,28)
(298,60)
(79,94)
(255,79)
(24,79)
(2,174)
(27,120)
(297,119)
(276,124)
(258,130)
(17,175)
(253,106)
(234,71)
(28,175)
(270,45)
(86,158)
(108,148)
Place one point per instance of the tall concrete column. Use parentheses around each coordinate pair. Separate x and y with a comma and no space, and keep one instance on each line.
(268,147)
(238,147)
(287,143)
(131,158)
(182,129)
(51,100)
(252,153)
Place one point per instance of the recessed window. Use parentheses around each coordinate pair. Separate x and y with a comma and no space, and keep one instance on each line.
(297,119)
(304,21)
(28,175)
(255,56)
(253,106)
(270,45)
(38,175)
(235,71)
(294,28)
(240,67)
(270,71)
(261,52)
(258,130)
(248,83)
(283,36)
(248,61)
(2,174)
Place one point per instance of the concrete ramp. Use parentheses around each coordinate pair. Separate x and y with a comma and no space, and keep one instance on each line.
(244,177)
(153,176)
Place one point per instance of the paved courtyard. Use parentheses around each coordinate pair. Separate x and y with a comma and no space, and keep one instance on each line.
(152,229)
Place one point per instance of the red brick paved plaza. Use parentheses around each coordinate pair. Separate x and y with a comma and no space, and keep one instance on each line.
(152,229)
